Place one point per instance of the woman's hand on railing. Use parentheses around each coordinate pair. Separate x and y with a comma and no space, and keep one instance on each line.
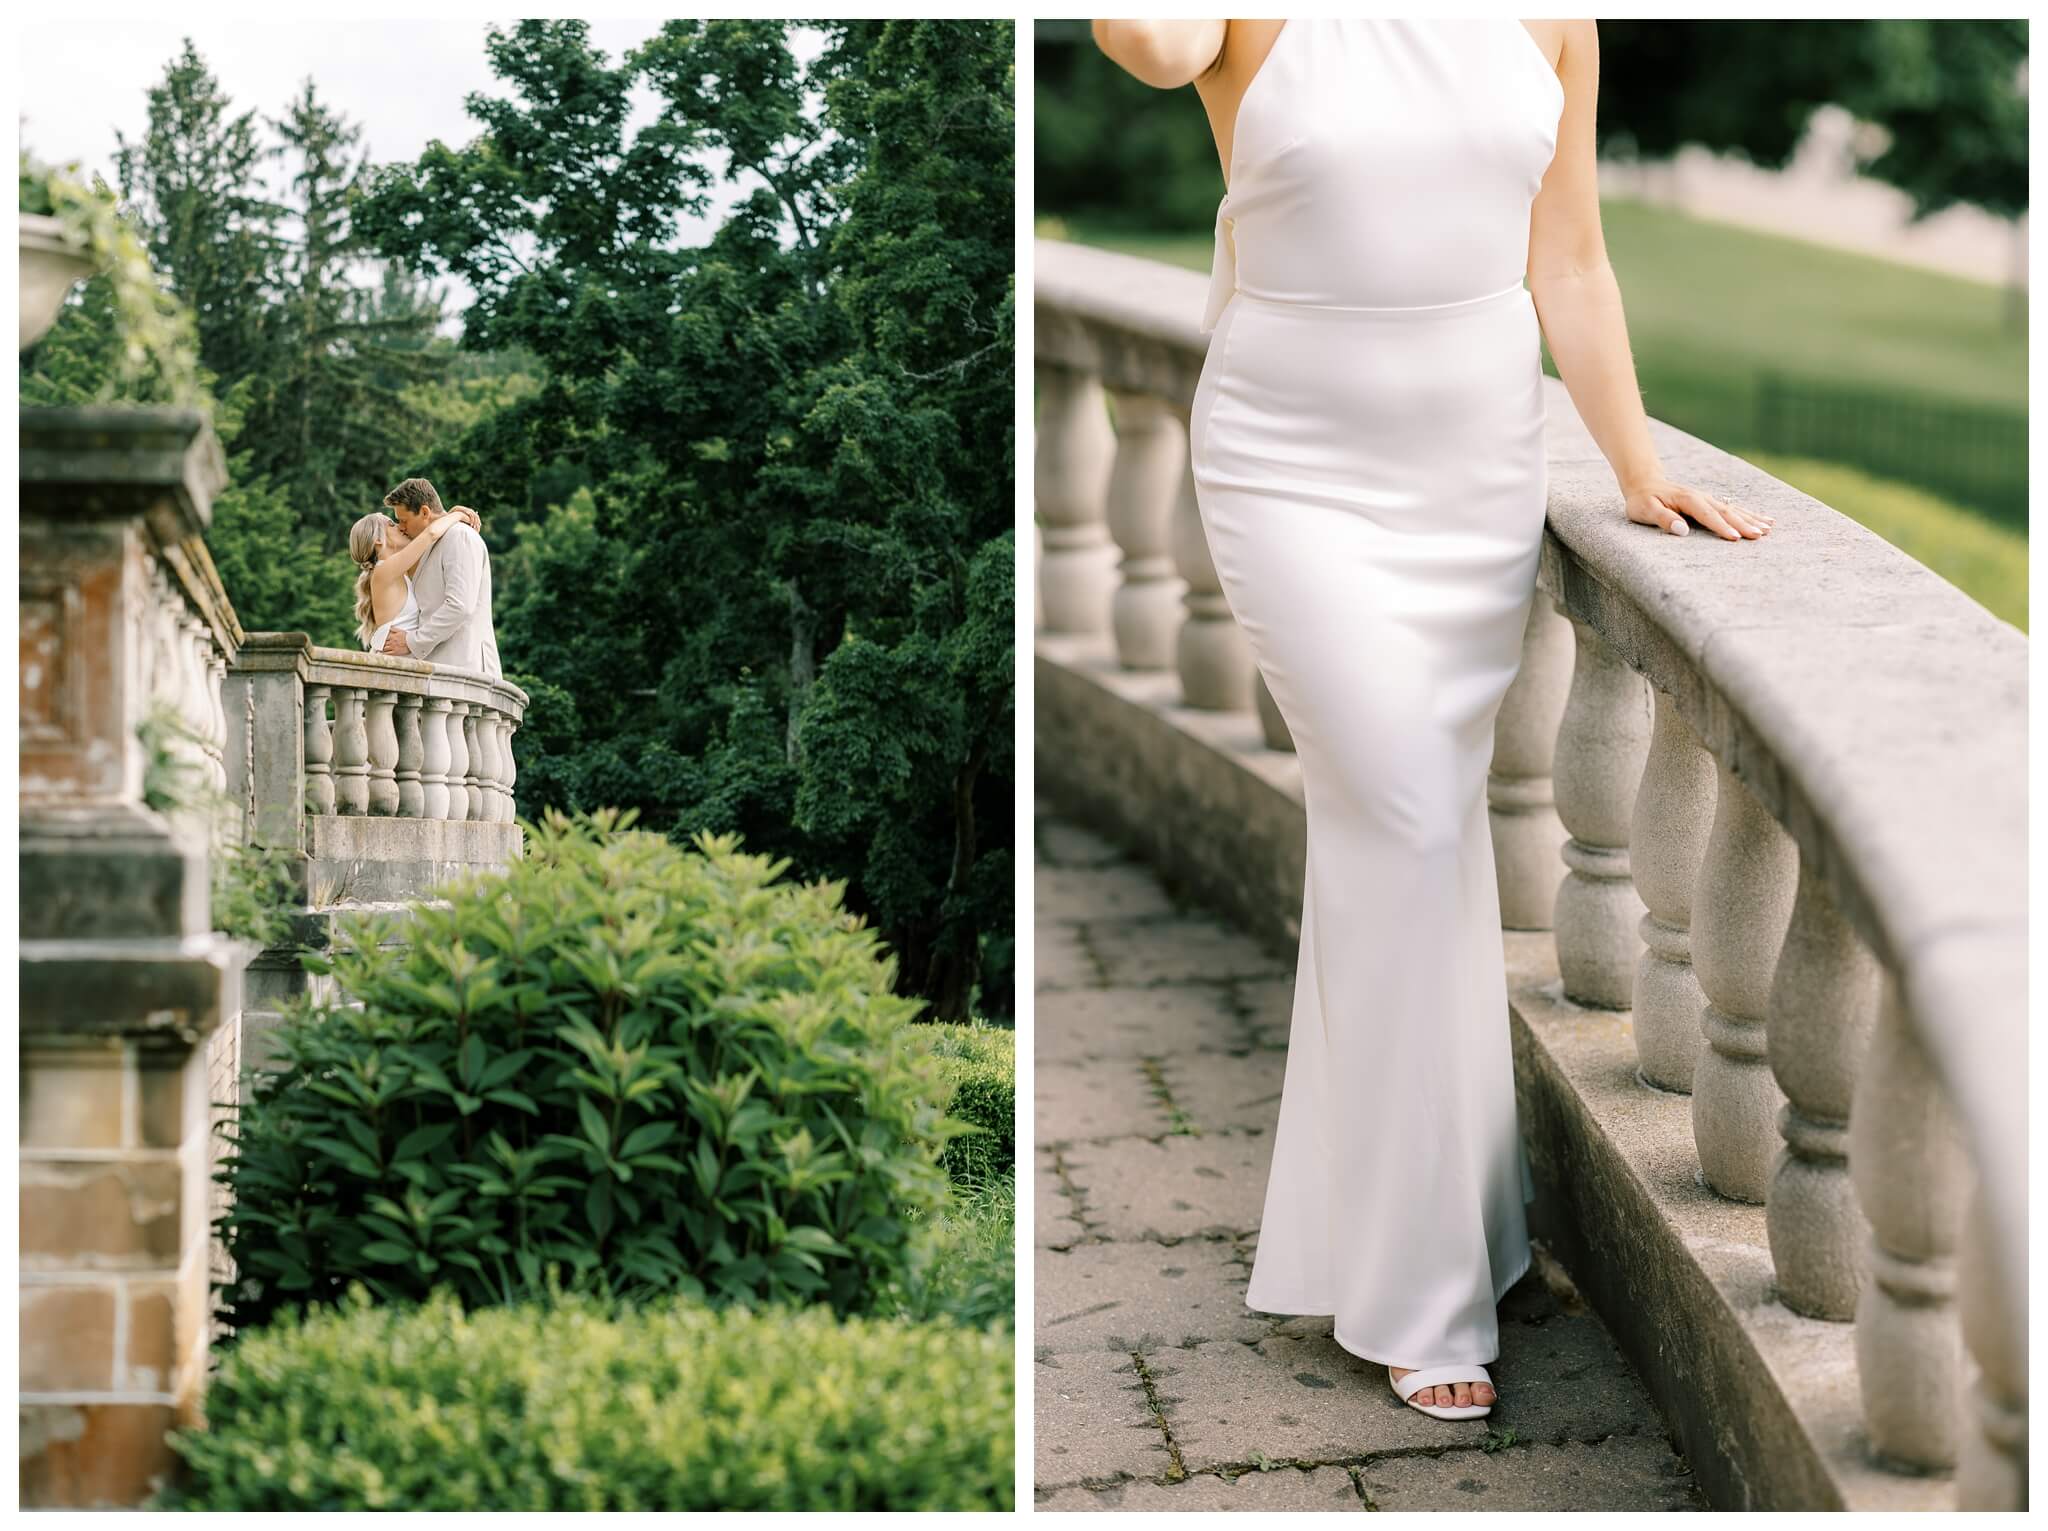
(1665,503)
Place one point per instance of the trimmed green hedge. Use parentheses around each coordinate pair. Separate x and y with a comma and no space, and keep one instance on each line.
(571,1406)
(980,1063)
(664,1070)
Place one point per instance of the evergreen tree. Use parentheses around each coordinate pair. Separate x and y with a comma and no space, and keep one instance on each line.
(330,418)
(798,433)
(195,185)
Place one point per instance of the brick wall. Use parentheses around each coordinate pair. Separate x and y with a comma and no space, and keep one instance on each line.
(115,1306)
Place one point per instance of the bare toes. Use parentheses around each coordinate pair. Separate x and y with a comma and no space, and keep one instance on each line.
(1464,1396)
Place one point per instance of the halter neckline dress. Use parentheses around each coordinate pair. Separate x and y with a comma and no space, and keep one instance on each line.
(1367,450)
(407,620)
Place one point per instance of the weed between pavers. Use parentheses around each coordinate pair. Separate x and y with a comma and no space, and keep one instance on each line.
(1177,1469)
(1179,1123)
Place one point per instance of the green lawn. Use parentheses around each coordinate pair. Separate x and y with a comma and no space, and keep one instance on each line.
(1712,298)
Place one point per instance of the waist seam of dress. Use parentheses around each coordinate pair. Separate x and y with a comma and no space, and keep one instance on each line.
(1399,308)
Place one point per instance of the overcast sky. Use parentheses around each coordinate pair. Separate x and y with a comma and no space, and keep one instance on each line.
(402,81)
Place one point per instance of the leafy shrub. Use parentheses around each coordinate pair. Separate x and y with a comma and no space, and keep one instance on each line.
(570,1406)
(967,1270)
(662,1068)
(979,1063)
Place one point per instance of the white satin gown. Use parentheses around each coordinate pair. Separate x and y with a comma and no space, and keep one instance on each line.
(1367,445)
(407,620)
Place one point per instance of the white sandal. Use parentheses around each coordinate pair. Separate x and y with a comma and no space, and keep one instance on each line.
(1434,1376)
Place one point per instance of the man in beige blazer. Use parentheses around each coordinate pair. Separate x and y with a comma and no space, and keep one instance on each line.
(452,585)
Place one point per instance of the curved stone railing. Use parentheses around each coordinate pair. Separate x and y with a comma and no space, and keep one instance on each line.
(1787,781)
(389,774)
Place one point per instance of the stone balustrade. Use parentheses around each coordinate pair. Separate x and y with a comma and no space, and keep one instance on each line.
(388,773)
(1786,782)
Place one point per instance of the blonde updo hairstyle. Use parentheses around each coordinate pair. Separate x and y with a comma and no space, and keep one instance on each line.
(366,543)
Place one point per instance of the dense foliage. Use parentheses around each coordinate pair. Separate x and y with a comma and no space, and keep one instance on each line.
(661,1070)
(1946,92)
(979,1065)
(748,489)
(567,1406)
(785,608)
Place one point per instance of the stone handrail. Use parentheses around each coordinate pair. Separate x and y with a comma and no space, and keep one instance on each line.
(388,773)
(1787,780)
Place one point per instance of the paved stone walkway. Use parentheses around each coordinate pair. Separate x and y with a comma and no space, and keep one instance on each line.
(1161,1036)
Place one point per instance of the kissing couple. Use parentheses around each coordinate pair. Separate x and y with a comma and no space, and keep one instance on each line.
(425,585)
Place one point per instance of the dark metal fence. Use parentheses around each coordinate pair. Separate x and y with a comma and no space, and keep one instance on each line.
(1973,455)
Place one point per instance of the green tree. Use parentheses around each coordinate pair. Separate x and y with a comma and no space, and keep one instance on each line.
(195,184)
(330,415)
(799,427)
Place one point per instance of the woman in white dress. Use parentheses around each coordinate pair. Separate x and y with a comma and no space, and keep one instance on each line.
(385,557)
(1367,451)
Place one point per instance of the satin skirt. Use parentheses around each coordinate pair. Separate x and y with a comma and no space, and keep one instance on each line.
(1372,483)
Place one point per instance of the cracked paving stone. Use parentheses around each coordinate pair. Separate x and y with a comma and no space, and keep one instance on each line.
(1106,1098)
(1282,1488)
(1175,951)
(1179,1187)
(1076,895)
(1052,1212)
(1625,1473)
(1062,843)
(1141,1296)
(1219,1092)
(1059,960)
(1290,1398)
(1091,1420)
(1158,1022)
(1268,1005)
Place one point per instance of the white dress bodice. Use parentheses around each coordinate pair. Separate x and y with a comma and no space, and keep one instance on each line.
(1386,164)
(406,621)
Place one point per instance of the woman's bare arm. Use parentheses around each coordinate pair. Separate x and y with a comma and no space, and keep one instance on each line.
(385,576)
(1578,302)
(1166,54)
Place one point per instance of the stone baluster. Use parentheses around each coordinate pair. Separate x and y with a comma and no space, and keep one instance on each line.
(216,682)
(1823,1003)
(319,753)
(1666,843)
(351,752)
(1602,742)
(1528,836)
(485,763)
(1742,904)
(458,762)
(472,778)
(1213,656)
(1075,454)
(1151,454)
(411,795)
(1906,1160)
(511,766)
(436,755)
(383,751)
(1272,721)
(1992,1472)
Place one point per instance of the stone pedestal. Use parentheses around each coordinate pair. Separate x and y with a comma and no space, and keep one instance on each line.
(129,1002)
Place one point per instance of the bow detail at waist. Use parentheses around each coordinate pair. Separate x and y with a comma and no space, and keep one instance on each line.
(1223,267)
